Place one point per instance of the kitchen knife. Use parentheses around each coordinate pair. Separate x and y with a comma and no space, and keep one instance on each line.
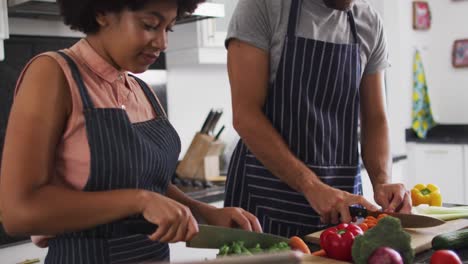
(205,126)
(219,133)
(215,120)
(407,220)
(211,236)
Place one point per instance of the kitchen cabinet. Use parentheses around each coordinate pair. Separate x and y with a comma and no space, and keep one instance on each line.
(20,253)
(3,27)
(465,170)
(201,42)
(440,164)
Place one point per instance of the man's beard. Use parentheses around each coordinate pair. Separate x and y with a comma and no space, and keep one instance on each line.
(339,4)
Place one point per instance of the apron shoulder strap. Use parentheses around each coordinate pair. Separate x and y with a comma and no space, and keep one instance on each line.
(85,98)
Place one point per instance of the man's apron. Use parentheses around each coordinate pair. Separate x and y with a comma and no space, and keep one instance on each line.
(314,104)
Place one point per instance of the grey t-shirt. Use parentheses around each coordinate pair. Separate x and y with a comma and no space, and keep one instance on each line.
(264,23)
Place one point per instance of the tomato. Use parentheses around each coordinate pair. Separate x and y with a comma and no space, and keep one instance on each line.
(445,257)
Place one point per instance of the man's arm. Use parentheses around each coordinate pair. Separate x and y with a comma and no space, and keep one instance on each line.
(375,145)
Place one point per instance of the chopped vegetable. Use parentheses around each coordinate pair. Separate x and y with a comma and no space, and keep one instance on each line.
(370,221)
(296,243)
(337,241)
(387,233)
(422,194)
(319,253)
(238,248)
(442,213)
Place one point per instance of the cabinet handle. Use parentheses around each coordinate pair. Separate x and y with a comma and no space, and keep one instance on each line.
(436,152)
(30,261)
(211,28)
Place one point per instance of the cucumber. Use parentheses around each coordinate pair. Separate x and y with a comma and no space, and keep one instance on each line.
(453,240)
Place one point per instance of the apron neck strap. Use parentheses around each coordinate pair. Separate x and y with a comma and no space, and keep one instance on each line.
(151,97)
(294,14)
(353,26)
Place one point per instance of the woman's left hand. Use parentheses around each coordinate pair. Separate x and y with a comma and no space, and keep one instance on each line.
(233,217)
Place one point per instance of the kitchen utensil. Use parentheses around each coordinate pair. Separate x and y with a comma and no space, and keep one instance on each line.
(207,122)
(216,236)
(215,120)
(420,237)
(211,236)
(407,220)
(219,133)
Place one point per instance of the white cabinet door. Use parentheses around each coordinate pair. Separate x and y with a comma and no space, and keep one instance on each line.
(465,176)
(214,31)
(440,164)
(3,20)
(3,27)
(20,253)
(201,42)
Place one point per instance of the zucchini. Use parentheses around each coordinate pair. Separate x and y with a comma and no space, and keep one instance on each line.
(453,240)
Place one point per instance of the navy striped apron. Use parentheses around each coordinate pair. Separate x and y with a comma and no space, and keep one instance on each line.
(314,104)
(123,155)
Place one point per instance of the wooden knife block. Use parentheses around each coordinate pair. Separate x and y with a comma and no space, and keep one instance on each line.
(201,159)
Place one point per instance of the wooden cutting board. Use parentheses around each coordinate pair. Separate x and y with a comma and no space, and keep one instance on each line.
(421,238)
(309,259)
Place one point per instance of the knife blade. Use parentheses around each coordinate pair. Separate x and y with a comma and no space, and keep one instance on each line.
(216,236)
(407,220)
(210,236)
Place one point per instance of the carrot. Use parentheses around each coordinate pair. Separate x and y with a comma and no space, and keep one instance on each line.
(296,243)
(319,253)
(371,218)
(381,216)
(364,227)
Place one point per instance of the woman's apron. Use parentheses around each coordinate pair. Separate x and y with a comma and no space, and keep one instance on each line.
(314,104)
(123,156)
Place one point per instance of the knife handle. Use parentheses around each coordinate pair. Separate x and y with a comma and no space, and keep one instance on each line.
(139,226)
(357,212)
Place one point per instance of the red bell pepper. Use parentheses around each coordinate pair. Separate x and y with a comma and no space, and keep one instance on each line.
(337,241)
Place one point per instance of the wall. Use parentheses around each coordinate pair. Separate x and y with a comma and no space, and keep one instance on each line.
(448,87)
(191,93)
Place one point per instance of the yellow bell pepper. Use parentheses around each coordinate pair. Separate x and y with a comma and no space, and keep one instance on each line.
(422,194)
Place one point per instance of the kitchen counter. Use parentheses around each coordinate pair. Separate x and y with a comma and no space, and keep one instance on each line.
(441,134)
(211,194)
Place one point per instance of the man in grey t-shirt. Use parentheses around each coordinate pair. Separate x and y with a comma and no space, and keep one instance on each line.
(303,74)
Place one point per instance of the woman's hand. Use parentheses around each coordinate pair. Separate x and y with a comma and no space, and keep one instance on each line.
(332,204)
(175,221)
(232,217)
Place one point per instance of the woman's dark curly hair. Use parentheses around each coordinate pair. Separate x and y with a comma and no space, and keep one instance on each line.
(81,14)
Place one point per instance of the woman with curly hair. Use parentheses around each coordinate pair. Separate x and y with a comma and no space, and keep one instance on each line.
(88,146)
